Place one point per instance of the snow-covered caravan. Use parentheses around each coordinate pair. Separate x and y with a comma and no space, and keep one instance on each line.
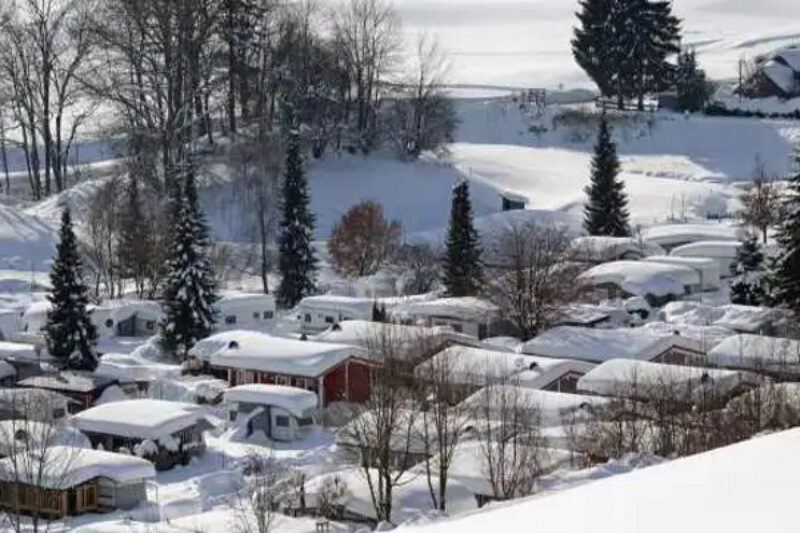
(738,318)
(708,269)
(166,433)
(770,355)
(84,388)
(282,413)
(669,236)
(10,323)
(412,343)
(382,284)
(599,345)
(601,249)
(473,316)
(472,368)
(114,318)
(643,380)
(33,404)
(656,282)
(334,371)
(72,481)
(723,252)
(318,313)
(242,310)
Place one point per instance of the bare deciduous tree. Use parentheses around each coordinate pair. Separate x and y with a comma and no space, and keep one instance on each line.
(532,275)
(761,202)
(420,264)
(363,240)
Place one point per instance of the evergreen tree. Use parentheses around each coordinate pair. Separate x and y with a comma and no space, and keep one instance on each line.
(462,269)
(71,337)
(748,285)
(692,87)
(784,279)
(606,212)
(623,45)
(189,291)
(650,35)
(298,263)
(592,44)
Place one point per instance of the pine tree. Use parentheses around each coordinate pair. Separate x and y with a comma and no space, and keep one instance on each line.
(606,212)
(691,84)
(298,263)
(71,336)
(784,277)
(189,291)
(748,285)
(462,268)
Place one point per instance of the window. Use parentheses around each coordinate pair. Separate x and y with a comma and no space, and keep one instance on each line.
(256,315)
(269,315)
(109,323)
(230,319)
(458,328)
(329,320)
(308,318)
(150,325)
(59,412)
(282,421)
(306,421)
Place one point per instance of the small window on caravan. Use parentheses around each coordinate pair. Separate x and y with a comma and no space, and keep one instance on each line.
(269,315)
(282,421)
(230,319)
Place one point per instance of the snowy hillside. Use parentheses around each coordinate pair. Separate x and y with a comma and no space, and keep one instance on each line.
(742,488)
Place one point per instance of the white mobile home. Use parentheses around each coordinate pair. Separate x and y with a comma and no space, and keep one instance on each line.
(318,313)
(282,413)
(657,283)
(242,310)
(670,236)
(601,249)
(473,316)
(723,252)
(707,268)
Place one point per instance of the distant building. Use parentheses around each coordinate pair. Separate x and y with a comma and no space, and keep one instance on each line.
(777,74)
(473,316)
(84,388)
(243,310)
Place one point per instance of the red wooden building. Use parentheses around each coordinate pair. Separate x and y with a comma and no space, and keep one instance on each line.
(336,372)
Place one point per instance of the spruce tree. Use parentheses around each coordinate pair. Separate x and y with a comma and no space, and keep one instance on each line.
(691,85)
(592,45)
(784,280)
(189,291)
(297,263)
(462,268)
(135,238)
(71,337)
(748,285)
(606,212)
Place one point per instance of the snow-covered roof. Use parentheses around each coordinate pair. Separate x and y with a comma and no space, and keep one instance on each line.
(357,307)
(17,435)
(642,379)
(68,381)
(546,407)
(138,419)
(22,399)
(21,351)
(706,337)
(477,366)
(757,352)
(121,310)
(410,497)
(602,248)
(716,249)
(707,267)
(675,234)
(296,401)
(245,300)
(584,314)
(412,339)
(258,351)
(597,345)
(464,308)
(742,318)
(741,488)
(129,367)
(642,278)
(64,467)
(791,56)
(781,75)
